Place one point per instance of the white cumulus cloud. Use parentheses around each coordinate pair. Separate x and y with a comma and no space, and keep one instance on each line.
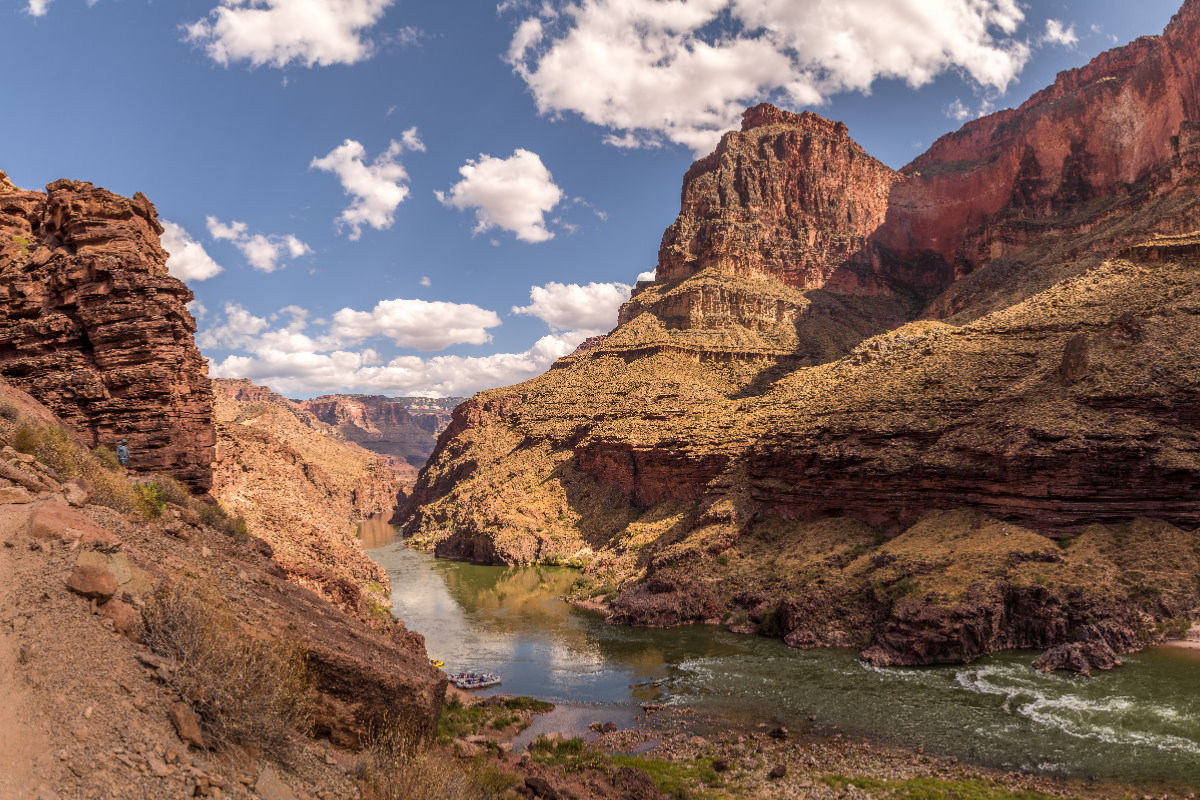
(280,32)
(312,373)
(420,324)
(1060,34)
(591,309)
(513,193)
(378,188)
(186,258)
(684,70)
(280,350)
(262,251)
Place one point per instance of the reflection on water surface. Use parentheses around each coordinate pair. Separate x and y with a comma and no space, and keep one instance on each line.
(1142,721)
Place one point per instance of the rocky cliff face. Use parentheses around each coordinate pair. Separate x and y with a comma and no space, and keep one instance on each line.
(970,350)
(405,428)
(302,489)
(95,328)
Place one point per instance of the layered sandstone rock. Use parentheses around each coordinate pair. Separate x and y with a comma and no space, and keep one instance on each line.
(95,328)
(405,428)
(830,343)
(302,489)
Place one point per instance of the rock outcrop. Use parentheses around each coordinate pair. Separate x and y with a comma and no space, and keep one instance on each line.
(831,343)
(302,489)
(405,428)
(95,328)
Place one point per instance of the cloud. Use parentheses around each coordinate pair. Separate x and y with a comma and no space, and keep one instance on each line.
(1057,33)
(419,324)
(186,258)
(425,281)
(958,111)
(279,32)
(292,360)
(412,140)
(590,309)
(37,8)
(513,193)
(312,373)
(378,188)
(648,275)
(650,70)
(263,252)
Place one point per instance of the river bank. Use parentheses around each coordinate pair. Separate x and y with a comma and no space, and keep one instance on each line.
(1139,724)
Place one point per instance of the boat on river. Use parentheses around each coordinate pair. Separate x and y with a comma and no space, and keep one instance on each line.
(474,680)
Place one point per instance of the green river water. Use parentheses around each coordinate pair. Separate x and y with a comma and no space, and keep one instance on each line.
(1138,722)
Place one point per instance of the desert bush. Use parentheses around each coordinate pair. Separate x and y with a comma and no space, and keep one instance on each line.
(106,458)
(398,764)
(244,690)
(110,488)
(214,515)
(9,410)
(151,500)
(50,445)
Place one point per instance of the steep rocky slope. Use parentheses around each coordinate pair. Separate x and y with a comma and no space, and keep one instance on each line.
(302,489)
(80,681)
(405,428)
(95,328)
(855,402)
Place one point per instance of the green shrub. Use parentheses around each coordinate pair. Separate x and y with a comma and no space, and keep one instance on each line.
(151,499)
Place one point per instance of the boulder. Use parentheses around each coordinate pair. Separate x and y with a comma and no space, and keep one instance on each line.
(540,787)
(125,619)
(15,494)
(76,493)
(1078,657)
(54,520)
(186,724)
(94,582)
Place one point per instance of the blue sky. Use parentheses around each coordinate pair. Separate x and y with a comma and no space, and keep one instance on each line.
(574,131)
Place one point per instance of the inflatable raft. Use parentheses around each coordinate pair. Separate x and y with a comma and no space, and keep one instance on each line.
(474,680)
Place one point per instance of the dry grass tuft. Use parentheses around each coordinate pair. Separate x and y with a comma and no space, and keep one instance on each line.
(398,764)
(53,447)
(243,689)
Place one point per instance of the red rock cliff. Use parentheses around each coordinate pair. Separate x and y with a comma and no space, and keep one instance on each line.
(1099,133)
(403,427)
(95,328)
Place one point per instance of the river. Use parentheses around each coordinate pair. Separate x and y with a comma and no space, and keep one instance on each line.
(1138,722)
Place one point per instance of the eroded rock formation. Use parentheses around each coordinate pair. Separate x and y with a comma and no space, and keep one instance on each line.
(405,428)
(302,489)
(95,328)
(973,350)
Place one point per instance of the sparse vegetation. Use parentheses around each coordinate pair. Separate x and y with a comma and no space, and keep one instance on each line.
(459,720)
(684,780)
(934,789)
(243,689)
(396,764)
(52,446)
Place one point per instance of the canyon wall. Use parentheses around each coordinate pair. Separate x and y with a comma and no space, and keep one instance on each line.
(830,341)
(96,329)
(405,428)
(302,489)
